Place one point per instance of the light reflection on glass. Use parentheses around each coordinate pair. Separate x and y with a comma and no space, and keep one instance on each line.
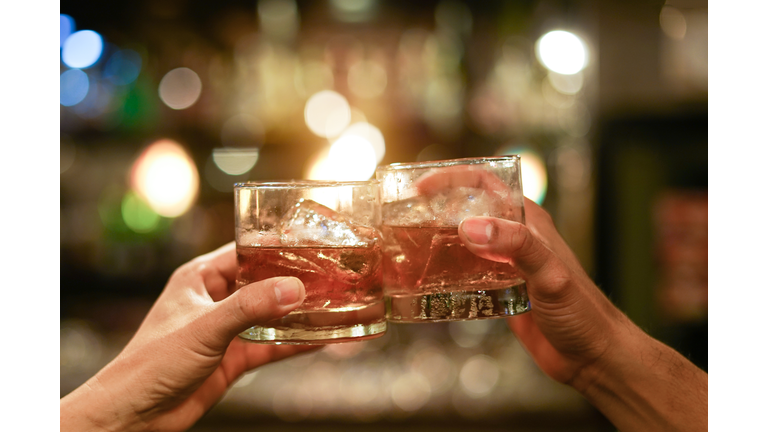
(533,170)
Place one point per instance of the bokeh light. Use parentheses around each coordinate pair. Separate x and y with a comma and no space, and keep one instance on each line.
(137,215)
(533,170)
(370,133)
(411,391)
(479,375)
(73,87)
(278,18)
(180,88)
(562,52)
(66,27)
(350,158)
(353,10)
(367,79)
(166,177)
(672,22)
(235,161)
(327,113)
(82,49)
(566,84)
(123,67)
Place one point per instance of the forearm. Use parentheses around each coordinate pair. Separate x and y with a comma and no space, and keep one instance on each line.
(644,385)
(91,407)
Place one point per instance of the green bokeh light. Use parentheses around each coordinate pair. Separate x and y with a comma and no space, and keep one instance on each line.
(137,214)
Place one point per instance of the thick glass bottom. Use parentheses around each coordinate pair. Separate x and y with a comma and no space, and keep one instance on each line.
(322,327)
(458,305)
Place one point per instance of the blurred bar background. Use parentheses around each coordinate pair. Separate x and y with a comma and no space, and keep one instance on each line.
(165,104)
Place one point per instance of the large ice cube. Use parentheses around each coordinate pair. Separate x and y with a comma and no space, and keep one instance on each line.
(464,202)
(408,212)
(310,223)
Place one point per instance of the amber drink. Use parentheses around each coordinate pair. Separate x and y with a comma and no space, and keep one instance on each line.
(334,248)
(429,275)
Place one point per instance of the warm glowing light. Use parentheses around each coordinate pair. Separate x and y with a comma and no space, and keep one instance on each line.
(73,87)
(562,52)
(566,84)
(353,10)
(327,113)
(479,375)
(367,79)
(278,18)
(350,158)
(411,391)
(235,161)
(370,133)
(672,22)
(166,178)
(533,171)
(82,49)
(180,88)
(66,27)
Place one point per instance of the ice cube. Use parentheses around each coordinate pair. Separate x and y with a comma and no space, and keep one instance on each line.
(408,212)
(310,223)
(464,202)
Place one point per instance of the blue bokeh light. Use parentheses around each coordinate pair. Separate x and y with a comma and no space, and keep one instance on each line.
(82,49)
(66,27)
(123,67)
(73,86)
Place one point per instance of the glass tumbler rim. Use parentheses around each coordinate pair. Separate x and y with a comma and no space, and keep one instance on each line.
(301,184)
(445,163)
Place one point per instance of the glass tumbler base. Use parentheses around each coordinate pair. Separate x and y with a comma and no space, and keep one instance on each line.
(322,327)
(461,305)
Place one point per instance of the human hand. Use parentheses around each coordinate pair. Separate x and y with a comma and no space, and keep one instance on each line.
(186,353)
(578,337)
(571,324)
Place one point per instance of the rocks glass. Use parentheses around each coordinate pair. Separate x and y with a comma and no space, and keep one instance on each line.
(327,235)
(429,275)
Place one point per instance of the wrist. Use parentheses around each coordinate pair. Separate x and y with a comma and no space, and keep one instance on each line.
(642,384)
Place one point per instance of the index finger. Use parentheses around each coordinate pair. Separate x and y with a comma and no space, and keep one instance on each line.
(223,262)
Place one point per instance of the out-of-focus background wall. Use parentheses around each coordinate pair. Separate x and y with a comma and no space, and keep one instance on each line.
(165,104)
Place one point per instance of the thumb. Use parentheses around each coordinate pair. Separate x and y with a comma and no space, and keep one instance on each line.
(501,240)
(253,304)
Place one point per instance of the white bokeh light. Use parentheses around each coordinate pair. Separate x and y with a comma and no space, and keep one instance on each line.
(562,52)
(350,158)
(327,113)
(180,88)
(166,177)
(370,133)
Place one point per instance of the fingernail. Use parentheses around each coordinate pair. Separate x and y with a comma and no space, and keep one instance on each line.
(287,291)
(478,231)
